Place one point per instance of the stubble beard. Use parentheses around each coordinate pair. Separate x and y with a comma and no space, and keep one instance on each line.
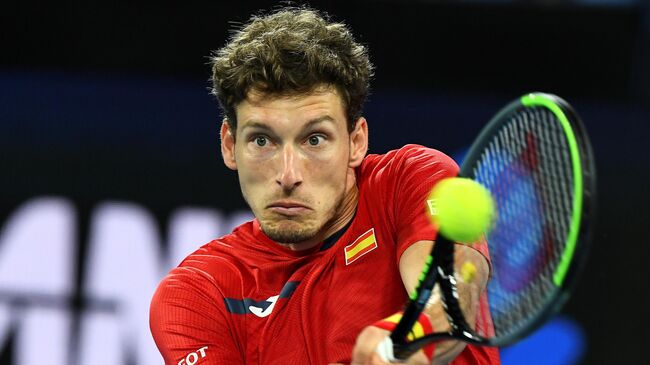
(294,231)
(290,232)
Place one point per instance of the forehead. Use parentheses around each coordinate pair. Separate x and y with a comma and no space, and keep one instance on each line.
(295,108)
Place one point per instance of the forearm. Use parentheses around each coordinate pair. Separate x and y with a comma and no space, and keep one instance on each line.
(471,278)
(445,351)
(470,284)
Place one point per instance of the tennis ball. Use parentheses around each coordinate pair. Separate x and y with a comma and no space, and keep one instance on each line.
(463,209)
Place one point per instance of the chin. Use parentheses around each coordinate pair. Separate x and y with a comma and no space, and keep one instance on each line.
(289,231)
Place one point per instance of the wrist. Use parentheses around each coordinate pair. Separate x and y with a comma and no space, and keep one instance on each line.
(421,327)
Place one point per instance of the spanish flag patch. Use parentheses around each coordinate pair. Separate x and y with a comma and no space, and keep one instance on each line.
(361,246)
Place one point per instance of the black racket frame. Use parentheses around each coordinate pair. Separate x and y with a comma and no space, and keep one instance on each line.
(441,269)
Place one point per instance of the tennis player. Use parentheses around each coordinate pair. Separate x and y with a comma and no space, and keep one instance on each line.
(339,236)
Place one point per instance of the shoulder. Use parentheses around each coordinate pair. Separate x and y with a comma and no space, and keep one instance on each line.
(188,314)
(217,265)
(197,286)
(411,155)
(198,276)
(410,160)
(227,247)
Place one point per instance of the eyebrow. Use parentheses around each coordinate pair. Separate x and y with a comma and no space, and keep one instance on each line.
(311,123)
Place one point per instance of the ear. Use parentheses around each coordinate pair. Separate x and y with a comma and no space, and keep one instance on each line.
(358,143)
(228,145)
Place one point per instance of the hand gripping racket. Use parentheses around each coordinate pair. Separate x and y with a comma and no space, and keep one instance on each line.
(535,158)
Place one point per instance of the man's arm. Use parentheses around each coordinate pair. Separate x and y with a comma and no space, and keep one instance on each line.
(410,265)
(189,323)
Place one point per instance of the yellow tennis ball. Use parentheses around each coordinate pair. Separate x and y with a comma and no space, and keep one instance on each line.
(462,209)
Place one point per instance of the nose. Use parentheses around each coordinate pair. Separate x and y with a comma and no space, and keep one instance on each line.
(290,176)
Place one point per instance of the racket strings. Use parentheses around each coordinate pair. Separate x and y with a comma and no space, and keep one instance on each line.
(560,180)
(548,183)
(528,169)
(519,141)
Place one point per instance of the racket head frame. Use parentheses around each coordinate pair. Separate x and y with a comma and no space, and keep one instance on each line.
(585,163)
(441,270)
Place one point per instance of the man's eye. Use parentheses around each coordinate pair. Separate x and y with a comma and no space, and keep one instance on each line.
(261,141)
(315,140)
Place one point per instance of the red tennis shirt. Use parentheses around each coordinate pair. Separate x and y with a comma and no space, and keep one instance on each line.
(244,299)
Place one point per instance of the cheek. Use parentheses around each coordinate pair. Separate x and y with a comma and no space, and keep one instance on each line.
(252,181)
(330,179)
(252,169)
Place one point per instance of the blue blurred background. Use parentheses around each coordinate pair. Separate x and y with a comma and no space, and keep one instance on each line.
(110,169)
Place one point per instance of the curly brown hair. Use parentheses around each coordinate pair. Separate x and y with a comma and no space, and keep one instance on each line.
(287,52)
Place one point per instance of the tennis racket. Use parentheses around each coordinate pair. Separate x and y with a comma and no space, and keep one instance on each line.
(535,158)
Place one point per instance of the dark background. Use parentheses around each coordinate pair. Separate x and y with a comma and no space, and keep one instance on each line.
(108,100)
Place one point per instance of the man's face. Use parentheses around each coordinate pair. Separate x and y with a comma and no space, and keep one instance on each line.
(295,160)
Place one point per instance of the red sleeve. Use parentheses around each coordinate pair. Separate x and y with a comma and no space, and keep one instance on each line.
(419,169)
(407,176)
(189,322)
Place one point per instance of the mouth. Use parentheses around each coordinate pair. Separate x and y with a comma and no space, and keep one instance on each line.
(288,208)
